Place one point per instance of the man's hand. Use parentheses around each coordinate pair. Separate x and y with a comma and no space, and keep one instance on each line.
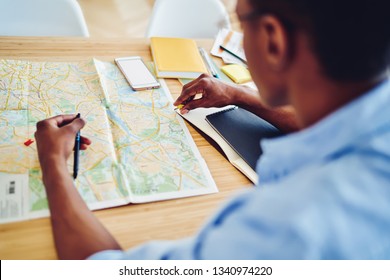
(77,232)
(218,94)
(214,94)
(56,137)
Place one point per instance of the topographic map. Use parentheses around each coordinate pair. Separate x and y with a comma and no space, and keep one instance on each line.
(141,150)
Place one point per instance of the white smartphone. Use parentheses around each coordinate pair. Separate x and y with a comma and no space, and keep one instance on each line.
(136,73)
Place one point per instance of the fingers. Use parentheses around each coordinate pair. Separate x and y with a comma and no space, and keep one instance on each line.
(191,89)
(83,147)
(201,102)
(57,121)
(75,125)
(66,125)
(84,143)
(85,140)
(188,94)
(185,96)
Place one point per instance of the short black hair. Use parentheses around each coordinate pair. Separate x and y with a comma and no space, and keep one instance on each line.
(351,39)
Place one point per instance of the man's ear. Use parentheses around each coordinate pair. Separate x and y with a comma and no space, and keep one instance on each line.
(276,43)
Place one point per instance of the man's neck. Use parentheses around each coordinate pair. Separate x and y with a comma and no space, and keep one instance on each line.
(312,94)
(317,98)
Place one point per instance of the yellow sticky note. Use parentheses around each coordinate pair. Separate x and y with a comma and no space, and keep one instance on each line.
(238,73)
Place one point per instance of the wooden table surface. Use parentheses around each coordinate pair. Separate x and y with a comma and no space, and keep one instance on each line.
(131,224)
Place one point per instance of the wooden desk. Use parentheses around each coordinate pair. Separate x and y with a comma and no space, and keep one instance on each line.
(132,224)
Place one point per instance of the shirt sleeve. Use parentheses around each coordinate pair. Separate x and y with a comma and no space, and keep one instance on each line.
(238,231)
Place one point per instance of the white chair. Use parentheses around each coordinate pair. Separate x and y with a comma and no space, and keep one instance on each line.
(42,18)
(187,18)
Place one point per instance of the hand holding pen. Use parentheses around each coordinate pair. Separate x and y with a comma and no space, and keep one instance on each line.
(55,138)
(214,93)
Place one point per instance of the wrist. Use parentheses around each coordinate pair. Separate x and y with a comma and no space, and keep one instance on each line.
(51,159)
(246,97)
(53,164)
(235,95)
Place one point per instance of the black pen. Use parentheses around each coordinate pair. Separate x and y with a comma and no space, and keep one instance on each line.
(76,152)
(232,53)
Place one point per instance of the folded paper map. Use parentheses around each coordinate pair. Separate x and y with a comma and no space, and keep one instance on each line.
(141,150)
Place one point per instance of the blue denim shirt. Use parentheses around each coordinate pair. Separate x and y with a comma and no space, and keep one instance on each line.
(323,193)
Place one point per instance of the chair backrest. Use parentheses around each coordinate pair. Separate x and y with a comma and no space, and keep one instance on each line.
(42,18)
(187,18)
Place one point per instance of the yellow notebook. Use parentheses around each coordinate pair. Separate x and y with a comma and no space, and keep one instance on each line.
(176,58)
(238,73)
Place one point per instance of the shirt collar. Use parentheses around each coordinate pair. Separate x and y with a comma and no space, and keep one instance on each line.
(341,129)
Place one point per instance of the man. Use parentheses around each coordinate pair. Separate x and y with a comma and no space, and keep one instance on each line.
(324,192)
